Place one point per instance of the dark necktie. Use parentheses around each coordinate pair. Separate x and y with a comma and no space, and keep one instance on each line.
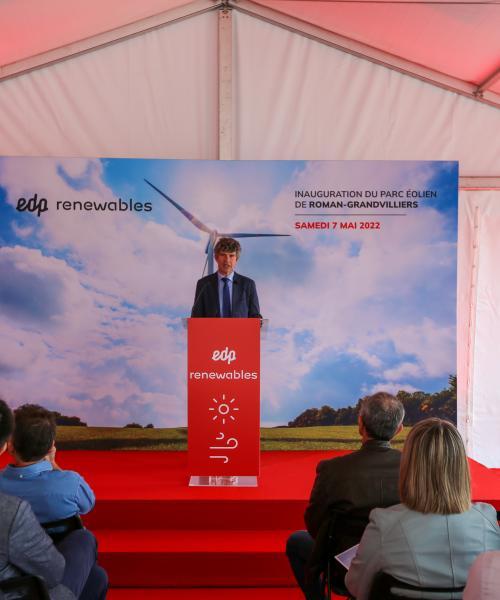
(226,299)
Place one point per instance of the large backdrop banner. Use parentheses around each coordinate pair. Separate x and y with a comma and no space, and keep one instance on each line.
(99,260)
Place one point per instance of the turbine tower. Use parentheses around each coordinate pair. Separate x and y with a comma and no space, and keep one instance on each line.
(213,234)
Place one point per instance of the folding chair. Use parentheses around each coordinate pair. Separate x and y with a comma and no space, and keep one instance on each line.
(386,587)
(25,587)
(58,530)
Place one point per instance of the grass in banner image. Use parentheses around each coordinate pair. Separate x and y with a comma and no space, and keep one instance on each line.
(99,259)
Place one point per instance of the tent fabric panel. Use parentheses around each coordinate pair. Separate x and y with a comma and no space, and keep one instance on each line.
(150,95)
(460,40)
(480,286)
(456,39)
(297,98)
(54,23)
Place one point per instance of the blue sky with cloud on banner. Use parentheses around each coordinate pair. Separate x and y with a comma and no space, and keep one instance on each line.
(90,302)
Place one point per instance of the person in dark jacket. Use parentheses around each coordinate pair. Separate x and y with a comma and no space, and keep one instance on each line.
(346,489)
(226,293)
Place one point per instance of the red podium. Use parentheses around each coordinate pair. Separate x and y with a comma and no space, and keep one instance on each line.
(224,401)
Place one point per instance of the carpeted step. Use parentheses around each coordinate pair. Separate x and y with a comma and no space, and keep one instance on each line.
(206,594)
(209,594)
(149,558)
(197,514)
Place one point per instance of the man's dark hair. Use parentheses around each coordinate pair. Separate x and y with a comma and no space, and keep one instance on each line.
(381,414)
(6,422)
(34,432)
(227,244)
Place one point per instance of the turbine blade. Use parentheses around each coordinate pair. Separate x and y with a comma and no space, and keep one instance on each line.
(246,235)
(196,222)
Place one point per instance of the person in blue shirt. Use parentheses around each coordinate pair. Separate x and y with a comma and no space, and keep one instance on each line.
(70,568)
(53,493)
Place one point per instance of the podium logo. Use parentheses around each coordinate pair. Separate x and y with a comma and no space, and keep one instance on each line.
(33,205)
(225,355)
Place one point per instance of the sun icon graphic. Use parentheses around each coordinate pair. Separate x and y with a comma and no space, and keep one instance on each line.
(223,409)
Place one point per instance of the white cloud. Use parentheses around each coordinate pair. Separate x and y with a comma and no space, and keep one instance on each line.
(432,344)
(391,387)
(403,370)
(369,358)
(85,344)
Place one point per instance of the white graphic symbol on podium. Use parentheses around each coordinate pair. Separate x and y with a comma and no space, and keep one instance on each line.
(223,409)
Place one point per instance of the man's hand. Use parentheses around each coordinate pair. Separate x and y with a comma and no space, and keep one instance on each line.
(51,457)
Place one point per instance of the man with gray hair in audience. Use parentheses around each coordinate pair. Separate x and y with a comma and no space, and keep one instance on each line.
(346,489)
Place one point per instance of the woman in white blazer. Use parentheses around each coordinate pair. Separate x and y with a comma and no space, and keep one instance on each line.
(432,538)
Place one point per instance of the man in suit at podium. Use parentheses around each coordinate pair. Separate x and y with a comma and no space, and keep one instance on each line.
(226,293)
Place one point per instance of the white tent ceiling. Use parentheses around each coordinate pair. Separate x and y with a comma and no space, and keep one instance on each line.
(456,39)
(279,79)
(459,39)
(202,79)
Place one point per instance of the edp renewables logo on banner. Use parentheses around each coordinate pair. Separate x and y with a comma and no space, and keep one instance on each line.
(99,259)
(38,206)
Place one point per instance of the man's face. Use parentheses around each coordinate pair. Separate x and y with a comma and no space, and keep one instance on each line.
(226,261)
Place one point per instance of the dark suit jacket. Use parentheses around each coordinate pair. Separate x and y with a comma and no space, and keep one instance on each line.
(355,484)
(245,302)
(26,548)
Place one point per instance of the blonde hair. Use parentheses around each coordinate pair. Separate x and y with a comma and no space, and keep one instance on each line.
(434,475)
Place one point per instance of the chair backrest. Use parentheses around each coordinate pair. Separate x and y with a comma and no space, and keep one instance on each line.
(341,530)
(58,530)
(387,587)
(25,587)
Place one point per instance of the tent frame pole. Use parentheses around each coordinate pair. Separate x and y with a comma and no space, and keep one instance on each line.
(471,337)
(487,83)
(225,81)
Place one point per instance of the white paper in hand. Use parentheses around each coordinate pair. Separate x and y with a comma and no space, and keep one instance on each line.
(345,557)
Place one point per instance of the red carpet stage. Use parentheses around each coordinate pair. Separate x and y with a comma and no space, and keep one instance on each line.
(155,532)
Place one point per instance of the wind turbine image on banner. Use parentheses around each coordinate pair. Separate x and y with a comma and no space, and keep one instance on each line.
(213,234)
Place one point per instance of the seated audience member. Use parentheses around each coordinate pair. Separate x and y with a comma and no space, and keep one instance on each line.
(54,494)
(432,538)
(483,582)
(25,548)
(354,483)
